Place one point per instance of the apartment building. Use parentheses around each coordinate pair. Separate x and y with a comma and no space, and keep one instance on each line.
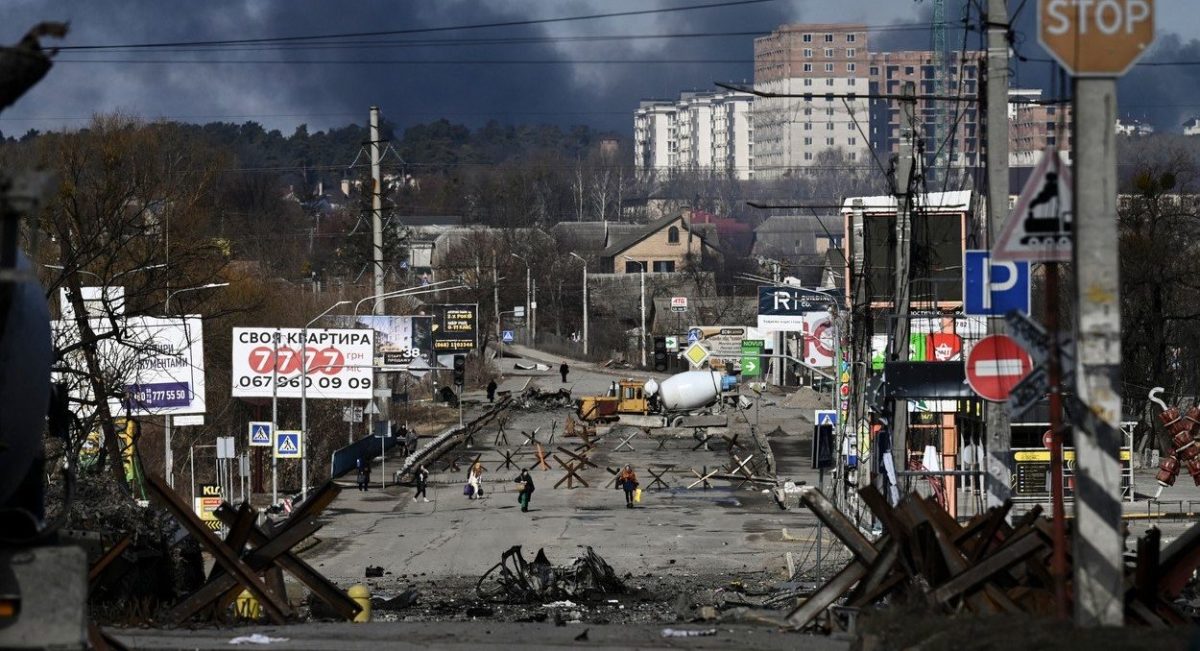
(705,132)
(1034,125)
(949,132)
(822,64)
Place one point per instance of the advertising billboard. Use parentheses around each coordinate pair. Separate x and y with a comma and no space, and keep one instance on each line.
(267,361)
(455,328)
(401,342)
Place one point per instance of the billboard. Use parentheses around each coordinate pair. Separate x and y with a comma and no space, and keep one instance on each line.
(158,362)
(782,308)
(267,361)
(401,342)
(455,328)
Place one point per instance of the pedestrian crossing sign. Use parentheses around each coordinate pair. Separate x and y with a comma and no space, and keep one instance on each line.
(260,434)
(287,444)
(826,417)
(507,336)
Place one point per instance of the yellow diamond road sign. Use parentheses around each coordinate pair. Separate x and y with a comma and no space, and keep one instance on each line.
(696,354)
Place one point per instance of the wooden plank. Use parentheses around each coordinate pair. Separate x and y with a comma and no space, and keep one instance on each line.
(968,578)
(275,605)
(841,526)
(827,595)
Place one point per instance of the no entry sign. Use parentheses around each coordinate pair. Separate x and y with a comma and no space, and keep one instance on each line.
(996,364)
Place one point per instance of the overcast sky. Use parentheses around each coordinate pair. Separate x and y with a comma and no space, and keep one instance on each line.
(335,86)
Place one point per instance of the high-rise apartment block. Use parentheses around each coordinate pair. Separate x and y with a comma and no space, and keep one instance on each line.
(842,110)
(821,64)
(700,132)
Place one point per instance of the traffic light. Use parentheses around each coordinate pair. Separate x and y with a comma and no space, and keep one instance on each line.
(660,354)
(460,370)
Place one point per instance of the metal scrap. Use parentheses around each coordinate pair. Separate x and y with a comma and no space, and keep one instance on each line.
(535,398)
(516,580)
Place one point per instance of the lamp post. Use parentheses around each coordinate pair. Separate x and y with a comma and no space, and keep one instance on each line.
(528,314)
(642,333)
(168,455)
(304,399)
(585,303)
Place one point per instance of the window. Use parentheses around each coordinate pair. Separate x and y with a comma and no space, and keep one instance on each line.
(808,140)
(850,52)
(908,70)
(672,235)
(852,141)
(829,142)
(851,67)
(807,38)
(829,126)
(663,266)
(632,266)
(808,111)
(873,71)
(808,126)
(828,67)
(829,38)
(850,38)
(808,67)
(808,82)
(829,82)
(808,155)
(808,52)
(852,155)
(828,53)
(850,81)
(829,111)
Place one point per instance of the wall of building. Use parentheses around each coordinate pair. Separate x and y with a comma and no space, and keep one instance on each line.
(700,132)
(658,251)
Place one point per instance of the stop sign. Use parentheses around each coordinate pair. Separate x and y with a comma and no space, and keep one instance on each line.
(996,364)
(1096,38)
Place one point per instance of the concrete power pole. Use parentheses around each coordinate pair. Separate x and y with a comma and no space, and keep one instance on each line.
(999,433)
(899,343)
(376,208)
(1098,545)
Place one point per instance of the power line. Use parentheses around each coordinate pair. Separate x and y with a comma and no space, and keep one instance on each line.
(422,30)
(409,62)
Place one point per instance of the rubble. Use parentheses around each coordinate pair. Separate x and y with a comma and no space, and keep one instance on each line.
(535,398)
(516,580)
(986,566)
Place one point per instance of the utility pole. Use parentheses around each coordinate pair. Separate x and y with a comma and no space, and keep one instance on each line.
(1098,545)
(899,343)
(998,431)
(496,295)
(376,208)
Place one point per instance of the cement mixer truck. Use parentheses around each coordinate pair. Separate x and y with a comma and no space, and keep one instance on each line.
(679,401)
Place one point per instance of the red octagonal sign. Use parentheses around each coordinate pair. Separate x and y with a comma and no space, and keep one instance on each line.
(996,364)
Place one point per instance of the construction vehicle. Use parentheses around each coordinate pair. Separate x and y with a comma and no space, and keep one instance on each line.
(677,402)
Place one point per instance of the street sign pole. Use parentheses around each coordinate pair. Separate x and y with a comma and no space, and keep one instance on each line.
(1098,545)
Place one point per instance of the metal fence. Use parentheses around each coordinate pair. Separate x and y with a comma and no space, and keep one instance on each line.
(346,459)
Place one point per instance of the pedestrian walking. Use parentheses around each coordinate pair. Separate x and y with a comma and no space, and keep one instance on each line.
(475,481)
(564,369)
(491,390)
(410,442)
(627,481)
(364,474)
(525,482)
(421,475)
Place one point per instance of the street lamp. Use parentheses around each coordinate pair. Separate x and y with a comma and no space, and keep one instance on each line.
(528,308)
(169,456)
(642,338)
(408,291)
(585,303)
(304,399)
(167,303)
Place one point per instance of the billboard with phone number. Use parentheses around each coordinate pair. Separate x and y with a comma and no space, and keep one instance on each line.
(273,361)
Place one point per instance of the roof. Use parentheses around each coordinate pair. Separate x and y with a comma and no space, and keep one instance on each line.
(956,201)
(620,244)
(788,236)
(590,236)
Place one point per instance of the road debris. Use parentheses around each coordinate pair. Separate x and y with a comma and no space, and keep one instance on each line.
(516,580)
(986,566)
(257,638)
(683,632)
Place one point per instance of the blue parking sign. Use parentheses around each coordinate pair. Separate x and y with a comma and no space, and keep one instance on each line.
(994,287)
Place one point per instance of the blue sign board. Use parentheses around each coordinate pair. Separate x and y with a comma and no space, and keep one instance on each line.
(287,444)
(506,336)
(694,335)
(826,417)
(158,395)
(994,287)
(260,434)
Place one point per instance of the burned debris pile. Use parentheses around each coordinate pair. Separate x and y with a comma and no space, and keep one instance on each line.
(515,580)
(535,398)
(986,566)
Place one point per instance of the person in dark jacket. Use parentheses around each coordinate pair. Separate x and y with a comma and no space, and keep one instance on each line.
(421,476)
(491,391)
(627,481)
(364,474)
(564,369)
(525,481)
